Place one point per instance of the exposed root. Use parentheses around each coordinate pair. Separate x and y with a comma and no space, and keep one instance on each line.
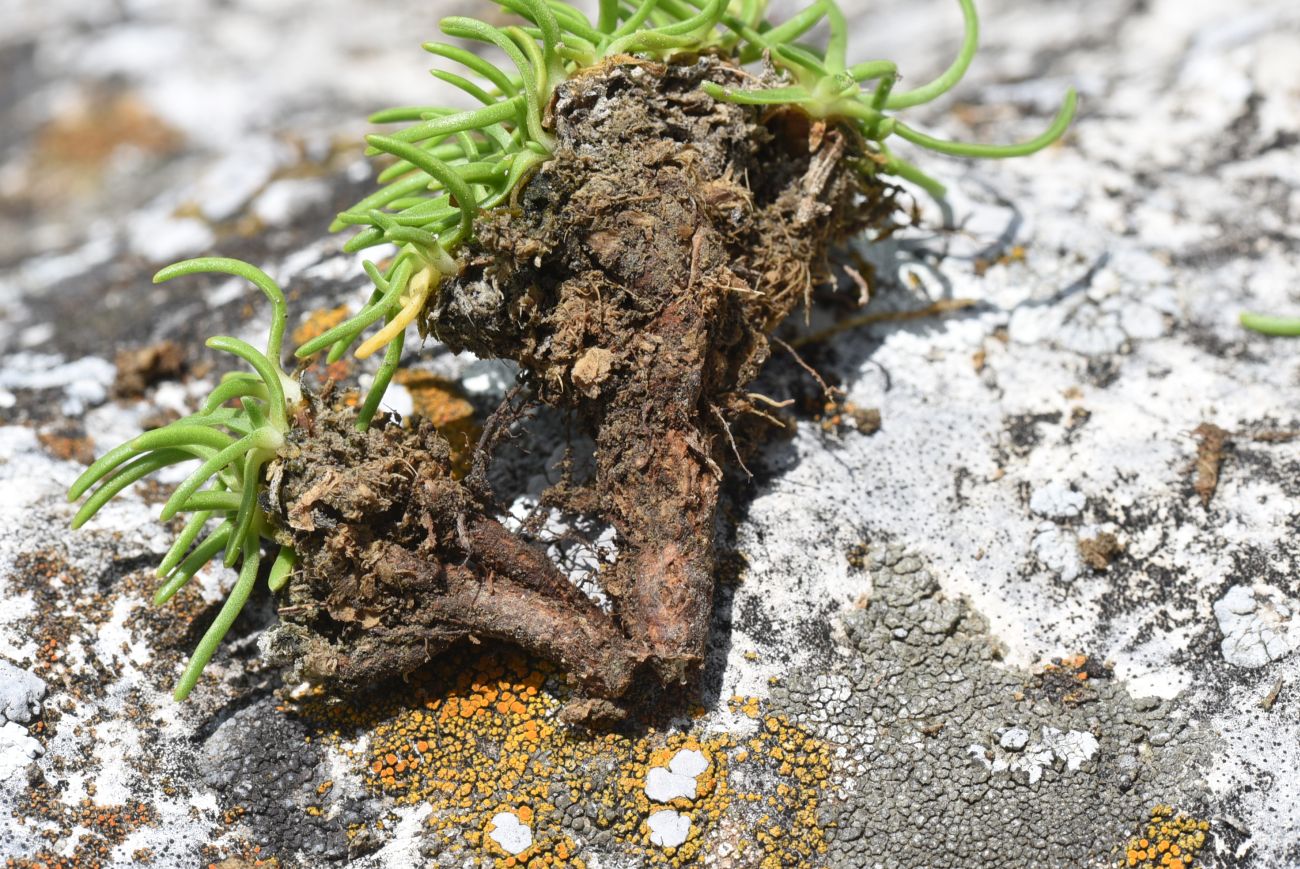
(400,561)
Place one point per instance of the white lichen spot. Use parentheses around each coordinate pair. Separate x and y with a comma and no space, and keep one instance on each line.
(688,762)
(1014,753)
(1030,762)
(1014,739)
(1257,624)
(1056,501)
(17,749)
(678,778)
(1057,549)
(663,785)
(668,829)
(1072,746)
(512,834)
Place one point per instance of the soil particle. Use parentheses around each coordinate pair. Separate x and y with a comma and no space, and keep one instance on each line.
(1270,699)
(69,445)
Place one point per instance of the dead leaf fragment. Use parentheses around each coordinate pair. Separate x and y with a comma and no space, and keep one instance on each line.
(1213,444)
(591,370)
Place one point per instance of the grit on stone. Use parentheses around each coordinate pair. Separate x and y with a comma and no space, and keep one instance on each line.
(1006,619)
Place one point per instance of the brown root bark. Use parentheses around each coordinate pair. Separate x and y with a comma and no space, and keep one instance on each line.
(658,479)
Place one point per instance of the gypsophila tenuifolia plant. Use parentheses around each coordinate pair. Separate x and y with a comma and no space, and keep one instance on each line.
(232,446)
(450,164)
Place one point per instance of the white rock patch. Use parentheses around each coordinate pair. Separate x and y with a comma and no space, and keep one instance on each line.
(84,381)
(17,749)
(160,237)
(285,199)
(1258,625)
(668,829)
(510,833)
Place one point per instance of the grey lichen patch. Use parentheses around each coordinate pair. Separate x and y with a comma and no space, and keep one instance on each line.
(279,789)
(947,757)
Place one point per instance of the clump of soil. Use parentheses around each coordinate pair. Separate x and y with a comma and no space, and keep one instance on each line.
(635,280)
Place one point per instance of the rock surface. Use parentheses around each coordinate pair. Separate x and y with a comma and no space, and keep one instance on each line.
(929,659)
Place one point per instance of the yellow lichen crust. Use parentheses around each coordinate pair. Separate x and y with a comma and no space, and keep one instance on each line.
(481,742)
(1166,841)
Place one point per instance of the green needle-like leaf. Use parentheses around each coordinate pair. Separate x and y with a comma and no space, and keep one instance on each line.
(454,184)
(193,528)
(193,563)
(281,568)
(238,268)
(1283,327)
(963,149)
(392,357)
(467,120)
(473,62)
(953,74)
(191,484)
(265,369)
(767,97)
(211,499)
(125,476)
(229,612)
(367,316)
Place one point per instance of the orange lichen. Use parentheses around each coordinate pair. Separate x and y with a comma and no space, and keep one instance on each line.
(319,322)
(1166,841)
(93,830)
(747,706)
(74,150)
(482,736)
